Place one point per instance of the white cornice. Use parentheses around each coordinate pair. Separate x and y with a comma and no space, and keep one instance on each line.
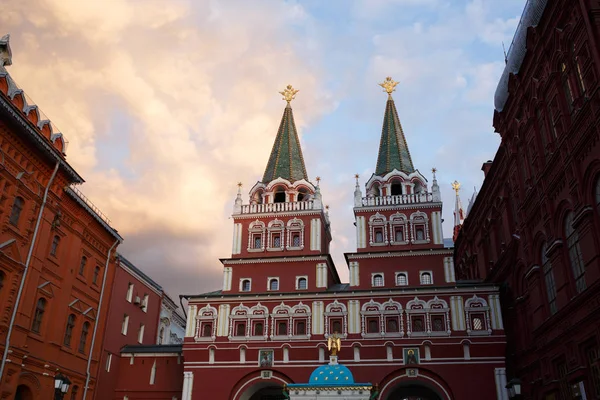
(411,253)
(274,260)
(414,206)
(277,214)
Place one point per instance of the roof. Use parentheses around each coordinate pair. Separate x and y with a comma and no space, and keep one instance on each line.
(152,348)
(93,210)
(330,377)
(286,160)
(393,150)
(139,272)
(532,13)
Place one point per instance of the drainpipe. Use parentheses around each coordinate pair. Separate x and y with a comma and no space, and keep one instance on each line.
(27,262)
(89,362)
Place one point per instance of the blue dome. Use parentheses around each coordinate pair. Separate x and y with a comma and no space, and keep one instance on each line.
(331,375)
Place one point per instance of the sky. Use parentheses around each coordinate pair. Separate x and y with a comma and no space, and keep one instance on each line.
(168,104)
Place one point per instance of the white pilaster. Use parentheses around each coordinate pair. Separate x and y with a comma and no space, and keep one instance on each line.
(321,280)
(188,385)
(353,316)
(190,328)
(354,273)
(237,239)
(496,317)
(500,378)
(449,269)
(361,233)
(227,274)
(223,320)
(457,310)
(315,234)
(317,318)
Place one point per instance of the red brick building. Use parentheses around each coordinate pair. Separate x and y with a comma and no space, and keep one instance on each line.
(534,226)
(133,319)
(405,323)
(56,256)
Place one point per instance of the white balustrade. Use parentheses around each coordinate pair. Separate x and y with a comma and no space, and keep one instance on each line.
(277,207)
(414,198)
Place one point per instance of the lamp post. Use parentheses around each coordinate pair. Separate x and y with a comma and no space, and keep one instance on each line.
(61,386)
(514,388)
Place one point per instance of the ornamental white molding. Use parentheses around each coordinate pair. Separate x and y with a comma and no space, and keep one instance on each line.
(336,309)
(275,260)
(387,178)
(358,256)
(206,314)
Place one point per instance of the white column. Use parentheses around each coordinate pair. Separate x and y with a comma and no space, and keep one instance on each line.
(500,378)
(317,318)
(457,310)
(223,320)
(354,270)
(188,384)
(361,234)
(353,316)
(227,274)
(237,239)
(190,328)
(315,234)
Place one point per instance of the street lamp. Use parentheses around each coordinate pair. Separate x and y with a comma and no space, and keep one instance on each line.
(514,388)
(61,386)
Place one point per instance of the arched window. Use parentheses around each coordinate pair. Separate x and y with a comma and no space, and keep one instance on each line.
(302,283)
(82,265)
(207,329)
(259,329)
(377,280)
(274,284)
(69,330)
(575,257)
(83,338)
(15,213)
(549,280)
(245,285)
(96,275)
(396,188)
(567,85)
(40,309)
(426,278)
(401,279)
(279,196)
(54,246)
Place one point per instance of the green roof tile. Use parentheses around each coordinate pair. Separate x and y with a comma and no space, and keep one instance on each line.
(286,159)
(393,150)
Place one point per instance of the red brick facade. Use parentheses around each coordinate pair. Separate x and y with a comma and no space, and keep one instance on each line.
(534,226)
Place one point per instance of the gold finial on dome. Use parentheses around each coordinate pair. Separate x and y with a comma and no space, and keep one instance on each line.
(389,85)
(456,186)
(289,93)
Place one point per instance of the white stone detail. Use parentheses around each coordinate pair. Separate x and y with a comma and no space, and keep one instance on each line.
(458,313)
(317,318)
(190,327)
(354,273)
(315,234)
(237,239)
(500,378)
(227,274)
(321,275)
(188,385)
(361,233)
(449,269)
(496,317)
(354,316)
(223,320)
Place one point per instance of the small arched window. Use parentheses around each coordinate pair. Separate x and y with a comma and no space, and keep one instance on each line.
(426,278)
(377,280)
(69,330)
(401,279)
(302,283)
(274,284)
(83,338)
(82,265)
(15,213)
(54,246)
(96,275)
(246,285)
(38,317)
(575,256)
(549,280)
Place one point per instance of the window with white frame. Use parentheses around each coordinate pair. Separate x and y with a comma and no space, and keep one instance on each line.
(256,236)
(419,223)
(301,282)
(276,232)
(426,278)
(206,323)
(300,318)
(438,315)
(371,319)
(416,319)
(273,283)
(129,296)
(245,284)
(280,319)
(477,314)
(398,229)
(295,234)
(125,324)
(377,279)
(257,322)
(238,322)
(377,230)
(393,325)
(336,319)
(401,279)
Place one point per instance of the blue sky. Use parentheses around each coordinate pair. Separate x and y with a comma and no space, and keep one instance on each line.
(168,104)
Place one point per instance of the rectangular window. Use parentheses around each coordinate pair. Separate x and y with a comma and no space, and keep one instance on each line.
(282,328)
(561,369)
(335,326)
(418,324)
(240,329)
(125,324)
(399,234)
(276,240)
(300,328)
(145,304)
(372,325)
(420,232)
(141,333)
(296,240)
(378,235)
(256,241)
(129,296)
(437,323)
(108,362)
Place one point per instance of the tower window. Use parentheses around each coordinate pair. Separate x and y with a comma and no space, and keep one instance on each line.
(420,233)
(256,241)
(207,329)
(282,329)
(300,328)
(240,329)
(279,197)
(478,323)
(398,234)
(437,323)
(401,279)
(372,325)
(302,283)
(336,326)
(296,240)
(379,235)
(258,329)
(245,285)
(418,324)
(377,280)
(276,240)
(426,278)
(396,189)
(274,284)
(392,325)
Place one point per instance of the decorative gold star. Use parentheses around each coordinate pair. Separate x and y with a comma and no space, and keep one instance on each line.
(289,93)
(239,184)
(434,170)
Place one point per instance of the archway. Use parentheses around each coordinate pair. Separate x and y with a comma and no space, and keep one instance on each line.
(413,391)
(23,393)
(264,391)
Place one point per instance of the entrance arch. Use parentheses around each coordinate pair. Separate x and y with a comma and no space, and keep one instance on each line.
(23,393)
(263,391)
(413,390)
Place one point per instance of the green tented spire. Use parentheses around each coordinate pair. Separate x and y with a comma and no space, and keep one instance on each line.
(286,159)
(393,150)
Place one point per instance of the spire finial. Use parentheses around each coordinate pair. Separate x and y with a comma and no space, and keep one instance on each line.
(318,179)
(456,186)
(289,94)
(433,171)
(389,85)
(356,176)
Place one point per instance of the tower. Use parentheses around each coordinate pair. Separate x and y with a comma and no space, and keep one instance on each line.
(284,222)
(398,223)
